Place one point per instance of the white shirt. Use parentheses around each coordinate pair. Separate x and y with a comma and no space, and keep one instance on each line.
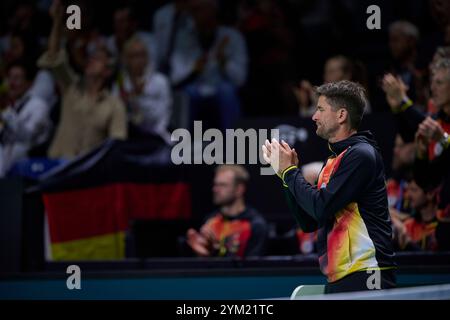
(152,109)
(44,86)
(25,124)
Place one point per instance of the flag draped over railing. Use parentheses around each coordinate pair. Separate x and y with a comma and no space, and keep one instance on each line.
(90,200)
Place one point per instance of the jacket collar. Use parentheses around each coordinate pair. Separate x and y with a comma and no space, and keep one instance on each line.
(362,136)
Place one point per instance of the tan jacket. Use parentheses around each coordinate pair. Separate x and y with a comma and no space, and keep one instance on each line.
(85,123)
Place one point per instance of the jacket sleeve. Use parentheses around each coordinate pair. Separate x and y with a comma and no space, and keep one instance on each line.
(355,173)
(304,221)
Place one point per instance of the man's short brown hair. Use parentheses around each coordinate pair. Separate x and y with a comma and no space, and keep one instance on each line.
(240,173)
(348,95)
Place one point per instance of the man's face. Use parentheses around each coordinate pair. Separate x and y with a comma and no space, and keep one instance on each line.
(403,153)
(123,24)
(440,10)
(16,49)
(400,44)
(225,190)
(22,18)
(17,82)
(326,119)
(334,71)
(97,66)
(203,13)
(416,196)
(136,58)
(440,87)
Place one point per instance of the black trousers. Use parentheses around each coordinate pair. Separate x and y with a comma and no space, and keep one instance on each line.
(359,281)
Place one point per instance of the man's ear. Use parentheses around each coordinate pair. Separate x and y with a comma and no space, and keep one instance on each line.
(241,189)
(342,115)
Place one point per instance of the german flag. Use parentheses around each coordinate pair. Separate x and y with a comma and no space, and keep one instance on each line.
(90,200)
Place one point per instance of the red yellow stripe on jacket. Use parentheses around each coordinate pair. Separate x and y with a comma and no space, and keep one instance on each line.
(349,246)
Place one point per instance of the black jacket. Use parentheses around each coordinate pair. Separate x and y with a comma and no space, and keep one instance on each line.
(349,208)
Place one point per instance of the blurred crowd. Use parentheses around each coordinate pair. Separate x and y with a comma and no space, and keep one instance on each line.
(64,92)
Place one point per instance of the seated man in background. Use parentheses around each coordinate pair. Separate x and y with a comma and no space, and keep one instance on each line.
(236,229)
(402,163)
(89,114)
(418,232)
(403,46)
(336,68)
(210,65)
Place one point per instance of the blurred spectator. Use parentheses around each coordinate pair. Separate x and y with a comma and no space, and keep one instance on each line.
(210,65)
(146,93)
(90,114)
(418,232)
(236,229)
(430,134)
(402,162)
(433,152)
(403,41)
(407,115)
(440,53)
(168,22)
(336,68)
(440,10)
(24,123)
(440,89)
(271,65)
(306,98)
(125,27)
(23,20)
(21,47)
(18,46)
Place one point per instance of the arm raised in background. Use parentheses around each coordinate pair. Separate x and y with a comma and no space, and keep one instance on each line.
(55,58)
(407,116)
